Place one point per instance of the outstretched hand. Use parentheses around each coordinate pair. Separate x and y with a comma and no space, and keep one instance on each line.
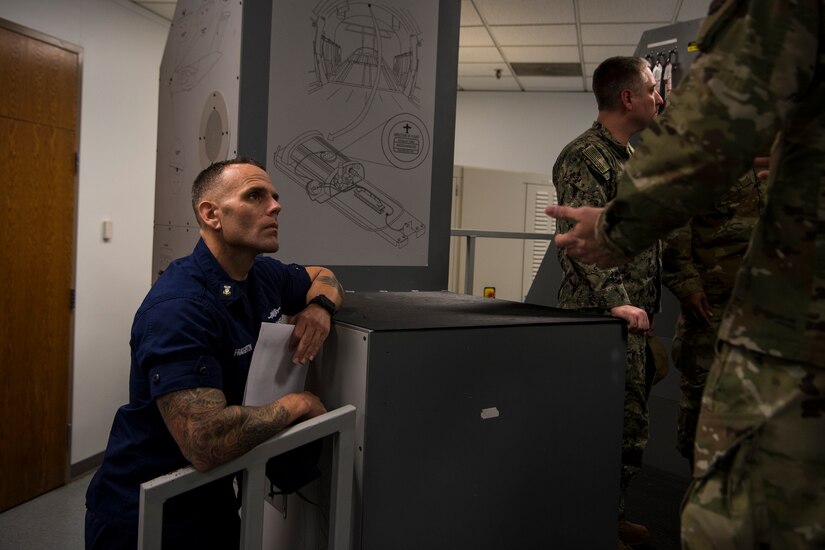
(580,242)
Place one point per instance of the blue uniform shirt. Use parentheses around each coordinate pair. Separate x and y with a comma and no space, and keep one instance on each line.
(196,328)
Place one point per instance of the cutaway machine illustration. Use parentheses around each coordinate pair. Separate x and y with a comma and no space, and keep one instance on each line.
(365,71)
(383,54)
(329,176)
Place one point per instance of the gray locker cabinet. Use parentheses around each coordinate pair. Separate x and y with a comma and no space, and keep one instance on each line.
(481,423)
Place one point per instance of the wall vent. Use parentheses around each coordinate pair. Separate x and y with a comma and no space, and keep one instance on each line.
(547,69)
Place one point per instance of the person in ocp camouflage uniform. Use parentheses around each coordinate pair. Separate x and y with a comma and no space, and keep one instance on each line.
(585,173)
(759,474)
(699,265)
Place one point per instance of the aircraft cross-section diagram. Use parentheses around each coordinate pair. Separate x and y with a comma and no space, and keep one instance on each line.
(329,176)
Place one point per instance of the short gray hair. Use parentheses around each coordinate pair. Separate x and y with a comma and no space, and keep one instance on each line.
(210,176)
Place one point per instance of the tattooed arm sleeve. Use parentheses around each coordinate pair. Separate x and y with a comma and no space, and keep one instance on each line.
(209,433)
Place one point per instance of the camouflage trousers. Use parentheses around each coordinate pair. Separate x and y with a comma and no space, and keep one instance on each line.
(759,474)
(693,352)
(635,426)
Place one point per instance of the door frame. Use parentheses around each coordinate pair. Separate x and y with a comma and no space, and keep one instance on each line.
(78,51)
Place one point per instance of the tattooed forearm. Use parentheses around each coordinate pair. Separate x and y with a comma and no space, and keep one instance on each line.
(209,433)
(258,430)
(330,280)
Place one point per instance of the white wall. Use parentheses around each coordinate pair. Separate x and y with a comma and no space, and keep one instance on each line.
(521,132)
(122,48)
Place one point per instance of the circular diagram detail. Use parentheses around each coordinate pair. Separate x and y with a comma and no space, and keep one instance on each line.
(405,140)
(213,138)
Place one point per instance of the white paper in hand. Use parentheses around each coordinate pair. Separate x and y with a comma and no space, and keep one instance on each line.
(272,373)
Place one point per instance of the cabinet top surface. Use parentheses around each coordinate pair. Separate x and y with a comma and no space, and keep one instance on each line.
(429,310)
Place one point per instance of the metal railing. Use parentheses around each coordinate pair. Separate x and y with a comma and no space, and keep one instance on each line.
(472,234)
(339,423)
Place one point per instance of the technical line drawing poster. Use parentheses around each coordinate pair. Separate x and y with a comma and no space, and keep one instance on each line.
(349,130)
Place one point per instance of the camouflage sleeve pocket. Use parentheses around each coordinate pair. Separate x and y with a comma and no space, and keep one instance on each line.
(720,14)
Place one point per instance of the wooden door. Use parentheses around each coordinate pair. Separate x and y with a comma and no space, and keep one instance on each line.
(39,80)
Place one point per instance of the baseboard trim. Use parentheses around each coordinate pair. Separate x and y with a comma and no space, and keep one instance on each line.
(86,465)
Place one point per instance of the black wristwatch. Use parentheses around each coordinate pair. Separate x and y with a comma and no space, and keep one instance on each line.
(325,303)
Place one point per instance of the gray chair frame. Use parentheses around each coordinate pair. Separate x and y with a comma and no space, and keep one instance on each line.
(339,423)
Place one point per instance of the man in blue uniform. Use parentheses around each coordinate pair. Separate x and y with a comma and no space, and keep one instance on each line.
(192,342)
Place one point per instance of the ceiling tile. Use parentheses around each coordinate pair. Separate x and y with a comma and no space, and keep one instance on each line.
(487,83)
(627,11)
(693,9)
(479,55)
(482,69)
(469,15)
(164,9)
(595,35)
(533,12)
(549,54)
(597,54)
(547,83)
(531,31)
(590,68)
(474,36)
(535,35)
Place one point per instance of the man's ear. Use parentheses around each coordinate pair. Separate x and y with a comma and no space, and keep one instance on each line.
(208,212)
(627,99)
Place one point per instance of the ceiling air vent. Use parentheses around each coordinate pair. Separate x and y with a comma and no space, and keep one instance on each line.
(547,69)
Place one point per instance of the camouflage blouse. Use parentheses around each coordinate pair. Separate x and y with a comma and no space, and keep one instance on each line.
(761,71)
(586,173)
(706,253)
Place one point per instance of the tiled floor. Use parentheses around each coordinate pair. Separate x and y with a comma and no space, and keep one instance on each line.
(53,521)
